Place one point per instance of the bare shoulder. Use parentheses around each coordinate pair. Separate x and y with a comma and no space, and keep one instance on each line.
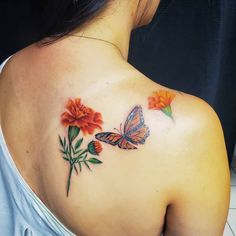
(188,112)
(189,134)
(190,115)
(194,146)
(193,126)
(187,128)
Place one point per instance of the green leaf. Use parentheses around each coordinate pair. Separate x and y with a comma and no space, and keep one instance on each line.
(77,159)
(94,161)
(80,167)
(61,142)
(76,169)
(78,143)
(73,132)
(64,142)
(167,110)
(62,151)
(87,165)
(85,156)
(65,158)
(79,151)
(73,150)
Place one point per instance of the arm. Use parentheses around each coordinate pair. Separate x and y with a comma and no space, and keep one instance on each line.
(201,202)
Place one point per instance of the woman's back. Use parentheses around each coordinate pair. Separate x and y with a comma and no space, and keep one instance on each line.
(164,162)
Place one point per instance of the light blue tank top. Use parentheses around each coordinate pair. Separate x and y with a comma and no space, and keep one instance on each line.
(22,213)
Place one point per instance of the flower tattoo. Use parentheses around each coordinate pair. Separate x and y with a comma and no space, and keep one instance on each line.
(95,147)
(85,118)
(162,100)
(78,118)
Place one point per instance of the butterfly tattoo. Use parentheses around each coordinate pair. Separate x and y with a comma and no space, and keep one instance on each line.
(134,131)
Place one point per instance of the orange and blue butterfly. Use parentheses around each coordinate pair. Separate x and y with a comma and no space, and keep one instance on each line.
(134,131)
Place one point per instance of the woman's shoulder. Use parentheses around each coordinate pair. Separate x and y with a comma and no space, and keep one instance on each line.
(186,126)
(193,121)
(183,108)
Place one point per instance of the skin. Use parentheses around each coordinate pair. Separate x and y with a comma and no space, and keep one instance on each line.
(179,177)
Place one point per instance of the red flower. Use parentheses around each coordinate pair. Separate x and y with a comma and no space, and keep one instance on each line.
(81,116)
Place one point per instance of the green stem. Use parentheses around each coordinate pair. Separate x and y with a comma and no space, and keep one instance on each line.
(68,181)
(69,145)
(70,153)
(80,167)
(70,150)
(86,150)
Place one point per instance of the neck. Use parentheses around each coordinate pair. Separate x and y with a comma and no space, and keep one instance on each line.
(115,26)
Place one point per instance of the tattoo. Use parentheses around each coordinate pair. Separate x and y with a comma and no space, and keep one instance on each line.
(161,100)
(79,118)
(134,132)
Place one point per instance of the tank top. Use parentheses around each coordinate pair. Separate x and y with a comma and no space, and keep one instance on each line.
(21,211)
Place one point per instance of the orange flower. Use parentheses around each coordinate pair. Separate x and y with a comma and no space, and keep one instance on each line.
(161,100)
(81,116)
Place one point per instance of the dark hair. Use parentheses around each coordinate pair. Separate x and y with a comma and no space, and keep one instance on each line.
(60,17)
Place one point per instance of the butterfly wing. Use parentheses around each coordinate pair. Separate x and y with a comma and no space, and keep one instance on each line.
(134,119)
(135,131)
(139,135)
(114,139)
(124,144)
(109,137)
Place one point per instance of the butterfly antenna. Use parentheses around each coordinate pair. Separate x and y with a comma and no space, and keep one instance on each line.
(117,130)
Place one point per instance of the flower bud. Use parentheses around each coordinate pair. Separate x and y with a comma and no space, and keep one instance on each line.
(94,147)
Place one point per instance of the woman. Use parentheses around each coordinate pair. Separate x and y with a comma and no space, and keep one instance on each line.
(91,146)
